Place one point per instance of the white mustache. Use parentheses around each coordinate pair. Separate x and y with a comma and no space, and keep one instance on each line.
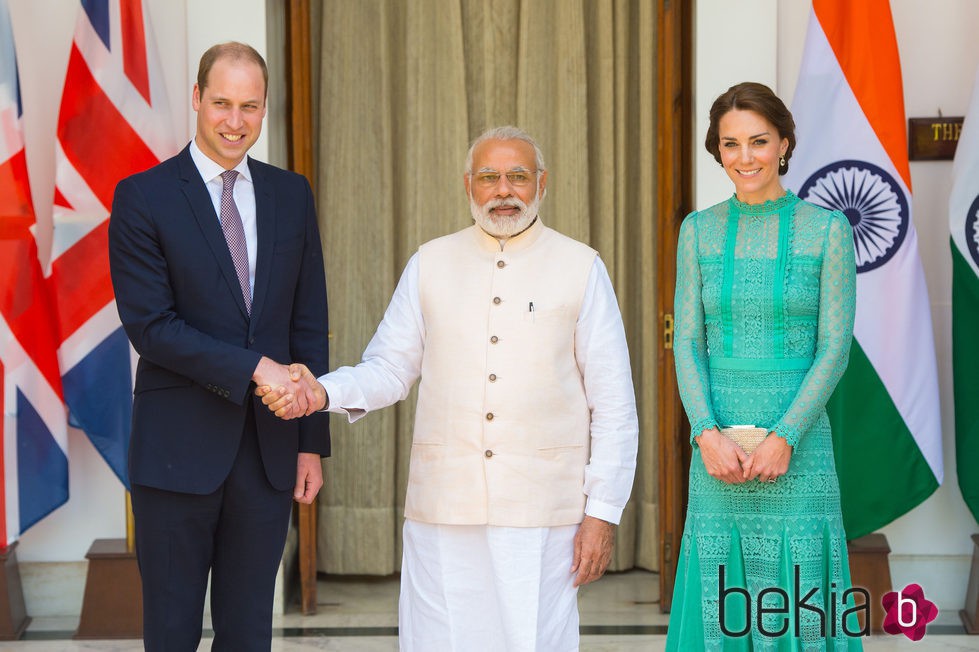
(504,203)
(504,225)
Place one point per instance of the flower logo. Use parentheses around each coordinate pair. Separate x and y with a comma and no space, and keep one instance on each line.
(908,612)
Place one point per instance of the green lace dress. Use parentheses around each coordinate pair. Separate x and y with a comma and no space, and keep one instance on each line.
(765,300)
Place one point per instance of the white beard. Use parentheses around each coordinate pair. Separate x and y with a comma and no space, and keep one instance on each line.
(504,226)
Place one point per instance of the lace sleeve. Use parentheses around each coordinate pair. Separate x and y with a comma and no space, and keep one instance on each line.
(837,302)
(690,335)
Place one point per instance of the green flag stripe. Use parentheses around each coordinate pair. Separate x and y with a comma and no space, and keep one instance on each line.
(882,472)
(965,358)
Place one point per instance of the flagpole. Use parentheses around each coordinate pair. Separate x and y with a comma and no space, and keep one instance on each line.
(130,524)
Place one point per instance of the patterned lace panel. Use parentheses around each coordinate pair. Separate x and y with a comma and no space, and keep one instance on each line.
(802,280)
(767,208)
(834,330)
(689,338)
(818,299)
(793,523)
(762,558)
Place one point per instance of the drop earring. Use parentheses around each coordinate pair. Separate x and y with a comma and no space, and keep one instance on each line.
(781,161)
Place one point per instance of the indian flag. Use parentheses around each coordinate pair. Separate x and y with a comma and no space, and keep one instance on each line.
(963,209)
(852,156)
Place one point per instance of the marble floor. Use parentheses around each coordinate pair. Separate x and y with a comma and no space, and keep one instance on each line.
(620,613)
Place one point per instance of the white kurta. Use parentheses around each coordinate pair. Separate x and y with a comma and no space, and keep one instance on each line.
(485,588)
(481,587)
(392,363)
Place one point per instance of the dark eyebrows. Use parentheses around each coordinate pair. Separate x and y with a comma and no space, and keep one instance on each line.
(764,133)
(219,98)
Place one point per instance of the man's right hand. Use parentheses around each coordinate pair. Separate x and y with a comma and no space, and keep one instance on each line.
(301,396)
(269,374)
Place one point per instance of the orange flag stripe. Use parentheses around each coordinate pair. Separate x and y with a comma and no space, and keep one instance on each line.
(862,37)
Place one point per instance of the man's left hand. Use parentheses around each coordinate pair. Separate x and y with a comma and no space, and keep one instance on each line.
(592,549)
(309,478)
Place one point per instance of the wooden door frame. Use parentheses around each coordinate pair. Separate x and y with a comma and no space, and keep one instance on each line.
(300,139)
(674,170)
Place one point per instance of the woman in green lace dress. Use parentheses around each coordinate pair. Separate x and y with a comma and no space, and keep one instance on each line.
(764,316)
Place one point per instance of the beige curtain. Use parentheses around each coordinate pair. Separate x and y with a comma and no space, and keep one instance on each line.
(403,87)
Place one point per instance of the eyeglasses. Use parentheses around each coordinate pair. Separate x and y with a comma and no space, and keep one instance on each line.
(517,178)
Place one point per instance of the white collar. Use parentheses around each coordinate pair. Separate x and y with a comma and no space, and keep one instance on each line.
(210,169)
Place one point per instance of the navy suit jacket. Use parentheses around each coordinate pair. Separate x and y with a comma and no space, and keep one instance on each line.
(180,302)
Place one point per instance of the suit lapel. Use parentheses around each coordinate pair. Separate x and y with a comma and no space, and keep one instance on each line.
(265,218)
(200,202)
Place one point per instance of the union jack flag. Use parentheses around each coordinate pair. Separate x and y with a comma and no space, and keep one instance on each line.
(33,431)
(114,121)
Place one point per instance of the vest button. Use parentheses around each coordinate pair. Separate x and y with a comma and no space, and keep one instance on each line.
(489,416)
(494,339)
(497,300)
(488,453)
(501,264)
(492,378)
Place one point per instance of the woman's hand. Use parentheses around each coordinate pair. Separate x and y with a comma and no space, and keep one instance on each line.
(722,458)
(769,461)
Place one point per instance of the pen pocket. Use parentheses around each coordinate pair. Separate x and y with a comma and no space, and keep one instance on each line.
(546,316)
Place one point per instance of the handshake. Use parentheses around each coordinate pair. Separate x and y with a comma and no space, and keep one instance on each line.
(288,392)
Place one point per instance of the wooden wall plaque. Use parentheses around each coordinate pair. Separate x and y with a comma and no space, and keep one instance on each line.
(933,139)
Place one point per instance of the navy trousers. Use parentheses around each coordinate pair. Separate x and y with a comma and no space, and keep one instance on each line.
(236,534)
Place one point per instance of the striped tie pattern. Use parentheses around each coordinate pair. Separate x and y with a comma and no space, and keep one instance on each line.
(234,234)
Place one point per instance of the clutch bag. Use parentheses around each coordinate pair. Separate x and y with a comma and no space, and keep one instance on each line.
(747,437)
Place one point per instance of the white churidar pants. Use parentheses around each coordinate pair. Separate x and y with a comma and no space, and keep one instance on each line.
(484,588)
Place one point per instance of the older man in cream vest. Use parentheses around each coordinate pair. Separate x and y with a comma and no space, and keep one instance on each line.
(524,445)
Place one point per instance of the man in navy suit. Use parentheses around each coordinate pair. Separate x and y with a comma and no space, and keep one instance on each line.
(218,274)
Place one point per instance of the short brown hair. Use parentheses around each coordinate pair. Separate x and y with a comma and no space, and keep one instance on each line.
(234,51)
(751,96)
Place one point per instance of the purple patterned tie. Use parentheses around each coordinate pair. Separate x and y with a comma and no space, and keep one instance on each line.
(234,234)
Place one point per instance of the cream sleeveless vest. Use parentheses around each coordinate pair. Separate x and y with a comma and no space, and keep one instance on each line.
(502,427)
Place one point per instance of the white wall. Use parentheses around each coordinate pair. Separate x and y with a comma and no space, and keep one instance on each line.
(733,42)
(43,31)
(939,56)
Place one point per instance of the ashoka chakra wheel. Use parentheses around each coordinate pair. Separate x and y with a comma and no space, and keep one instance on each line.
(972,230)
(872,201)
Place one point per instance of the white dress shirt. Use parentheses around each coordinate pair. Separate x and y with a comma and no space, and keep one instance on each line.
(392,363)
(244,199)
